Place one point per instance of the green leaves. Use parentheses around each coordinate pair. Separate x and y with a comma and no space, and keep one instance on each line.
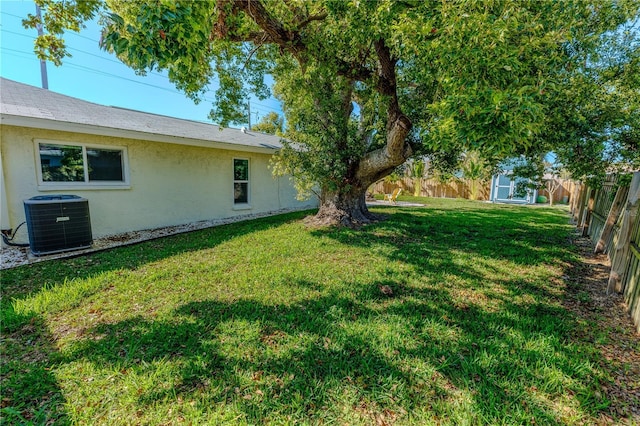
(272,124)
(491,62)
(498,77)
(56,19)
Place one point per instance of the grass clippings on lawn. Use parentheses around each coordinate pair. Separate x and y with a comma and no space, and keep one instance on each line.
(453,313)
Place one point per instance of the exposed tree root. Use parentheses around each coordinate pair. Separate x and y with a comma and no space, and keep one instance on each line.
(329,215)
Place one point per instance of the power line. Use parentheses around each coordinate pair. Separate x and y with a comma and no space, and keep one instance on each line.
(256,105)
(70,48)
(28,55)
(81,51)
(99,56)
(74,33)
(11,14)
(94,71)
(16,33)
(23,56)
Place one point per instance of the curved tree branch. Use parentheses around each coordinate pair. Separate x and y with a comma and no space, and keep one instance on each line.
(396,149)
(311,18)
(292,40)
(275,30)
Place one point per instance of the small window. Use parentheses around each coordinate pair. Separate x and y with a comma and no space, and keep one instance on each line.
(65,165)
(240,181)
(61,163)
(105,164)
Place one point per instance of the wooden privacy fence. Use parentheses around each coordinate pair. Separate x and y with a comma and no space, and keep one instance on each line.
(461,188)
(564,193)
(609,216)
(455,188)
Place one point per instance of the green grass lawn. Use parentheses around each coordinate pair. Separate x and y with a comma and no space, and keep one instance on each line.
(268,322)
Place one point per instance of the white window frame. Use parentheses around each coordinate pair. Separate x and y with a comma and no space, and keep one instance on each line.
(247,205)
(55,186)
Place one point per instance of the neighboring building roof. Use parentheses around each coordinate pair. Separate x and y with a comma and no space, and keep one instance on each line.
(29,106)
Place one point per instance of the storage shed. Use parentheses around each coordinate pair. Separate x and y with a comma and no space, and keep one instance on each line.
(506,188)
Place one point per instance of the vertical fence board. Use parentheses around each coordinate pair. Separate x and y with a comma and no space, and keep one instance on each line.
(601,206)
(632,290)
(575,199)
(590,210)
(611,228)
(586,218)
(580,204)
(630,285)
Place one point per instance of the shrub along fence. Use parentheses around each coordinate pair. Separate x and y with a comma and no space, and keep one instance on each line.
(609,216)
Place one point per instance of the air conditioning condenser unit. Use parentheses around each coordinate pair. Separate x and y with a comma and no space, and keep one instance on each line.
(57,223)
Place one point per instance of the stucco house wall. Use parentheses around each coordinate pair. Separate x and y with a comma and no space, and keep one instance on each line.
(168,184)
(175,171)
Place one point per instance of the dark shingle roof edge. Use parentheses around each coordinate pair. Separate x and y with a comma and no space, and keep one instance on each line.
(29,106)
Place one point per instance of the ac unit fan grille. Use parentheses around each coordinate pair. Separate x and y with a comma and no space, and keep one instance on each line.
(58,223)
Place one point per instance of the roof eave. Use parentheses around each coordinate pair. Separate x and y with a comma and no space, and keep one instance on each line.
(89,129)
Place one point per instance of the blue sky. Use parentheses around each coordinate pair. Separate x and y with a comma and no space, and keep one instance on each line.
(96,76)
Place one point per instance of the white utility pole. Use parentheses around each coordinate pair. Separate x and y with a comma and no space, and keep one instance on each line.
(43,63)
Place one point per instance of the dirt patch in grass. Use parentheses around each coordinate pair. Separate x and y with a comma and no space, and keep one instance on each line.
(607,324)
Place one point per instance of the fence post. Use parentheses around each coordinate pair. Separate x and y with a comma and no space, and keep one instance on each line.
(621,252)
(582,206)
(586,218)
(576,198)
(612,218)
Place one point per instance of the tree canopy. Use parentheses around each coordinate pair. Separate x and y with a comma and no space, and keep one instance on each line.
(367,84)
(272,124)
(596,128)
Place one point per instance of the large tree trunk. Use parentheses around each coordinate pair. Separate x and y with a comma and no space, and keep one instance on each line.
(343,208)
(346,206)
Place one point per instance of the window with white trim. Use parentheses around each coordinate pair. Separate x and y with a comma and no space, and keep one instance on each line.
(240,181)
(81,165)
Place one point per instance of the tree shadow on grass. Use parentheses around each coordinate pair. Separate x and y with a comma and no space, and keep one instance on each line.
(329,355)
(493,361)
(420,356)
(285,365)
(465,245)
(17,283)
(522,236)
(430,239)
(30,392)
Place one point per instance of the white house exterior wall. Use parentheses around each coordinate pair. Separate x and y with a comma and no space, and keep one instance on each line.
(4,209)
(169,184)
